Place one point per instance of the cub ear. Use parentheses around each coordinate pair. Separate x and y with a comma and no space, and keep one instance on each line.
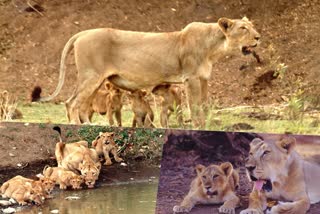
(199,168)
(225,24)
(245,19)
(94,143)
(80,166)
(227,168)
(143,93)
(287,144)
(100,133)
(98,165)
(111,134)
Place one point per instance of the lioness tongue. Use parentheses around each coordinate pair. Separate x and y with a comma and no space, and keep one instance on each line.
(259,184)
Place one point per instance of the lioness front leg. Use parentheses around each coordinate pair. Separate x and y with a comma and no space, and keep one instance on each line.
(186,205)
(232,201)
(257,203)
(301,206)
(194,101)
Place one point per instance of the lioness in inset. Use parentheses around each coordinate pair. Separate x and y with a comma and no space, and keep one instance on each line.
(279,173)
(170,102)
(104,145)
(63,177)
(215,184)
(137,60)
(23,190)
(142,113)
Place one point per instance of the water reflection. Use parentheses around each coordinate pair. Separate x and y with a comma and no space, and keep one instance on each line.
(126,198)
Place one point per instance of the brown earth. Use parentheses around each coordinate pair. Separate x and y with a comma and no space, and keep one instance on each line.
(183,150)
(31,43)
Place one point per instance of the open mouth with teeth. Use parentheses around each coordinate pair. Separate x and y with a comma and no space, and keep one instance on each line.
(262,184)
(248,49)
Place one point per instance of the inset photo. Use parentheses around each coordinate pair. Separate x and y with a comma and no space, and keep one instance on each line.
(239,173)
(48,168)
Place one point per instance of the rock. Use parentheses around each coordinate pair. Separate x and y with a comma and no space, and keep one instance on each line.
(123,164)
(54,211)
(4,203)
(12,201)
(71,198)
(11,155)
(9,210)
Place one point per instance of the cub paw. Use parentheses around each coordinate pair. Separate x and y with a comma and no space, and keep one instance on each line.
(181,209)
(225,209)
(119,159)
(250,211)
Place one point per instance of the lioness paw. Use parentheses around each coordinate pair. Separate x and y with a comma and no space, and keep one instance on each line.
(225,209)
(250,211)
(181,209)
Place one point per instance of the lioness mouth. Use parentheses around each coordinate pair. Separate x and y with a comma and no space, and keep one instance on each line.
(212,193)
(262,184)
(248,49)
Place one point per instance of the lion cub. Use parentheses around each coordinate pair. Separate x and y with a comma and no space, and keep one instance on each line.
(108,100)
(143,114)
(215,184)
(171,102)
(104,145)
(24,190)
(63,177)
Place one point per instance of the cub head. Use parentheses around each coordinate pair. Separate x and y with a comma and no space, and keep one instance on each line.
(104,138)
(161,90)
(268,161)
(240,34)
(33,193)
(114,91)
(90,172)
(214,178)
(137,95)
(47,184)
(76,181)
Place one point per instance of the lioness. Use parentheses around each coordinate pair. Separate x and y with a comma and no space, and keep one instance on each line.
(136,60)
(215,184)
(23,190)
(171,102)
(77,157)
(142,113)
(279,173)
(104,145)
(63,177)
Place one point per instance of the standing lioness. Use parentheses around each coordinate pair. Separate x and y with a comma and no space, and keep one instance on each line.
(279,173)
(136,60)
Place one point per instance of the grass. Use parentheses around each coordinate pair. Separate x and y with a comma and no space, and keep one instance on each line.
(216,119)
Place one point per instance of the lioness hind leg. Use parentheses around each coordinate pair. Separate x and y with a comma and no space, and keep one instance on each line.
(301,206)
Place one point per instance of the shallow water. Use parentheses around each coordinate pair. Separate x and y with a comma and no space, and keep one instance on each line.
(133,198)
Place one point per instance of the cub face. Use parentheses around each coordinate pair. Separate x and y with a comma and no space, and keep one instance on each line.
(76,181)
(48,184)
(214,178)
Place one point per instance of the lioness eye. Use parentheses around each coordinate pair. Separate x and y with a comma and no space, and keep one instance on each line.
(265,153)
(204,177)
(243,28)
(215,176)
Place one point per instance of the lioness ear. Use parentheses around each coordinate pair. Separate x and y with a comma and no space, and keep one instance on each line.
(107,86)
(256,140)
(245,19)
(200,168)
(287,144)
(225,24)
(80,166)
(143,93)
(226,168)
(98,165)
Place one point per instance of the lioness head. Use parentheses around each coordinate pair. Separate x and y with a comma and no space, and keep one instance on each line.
(214,178)
(90,172)
(76,181)
(47,184)
(268,161)
(240,33)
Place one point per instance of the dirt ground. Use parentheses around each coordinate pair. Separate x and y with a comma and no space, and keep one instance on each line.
(26,149)
(183,150)
(31,43)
